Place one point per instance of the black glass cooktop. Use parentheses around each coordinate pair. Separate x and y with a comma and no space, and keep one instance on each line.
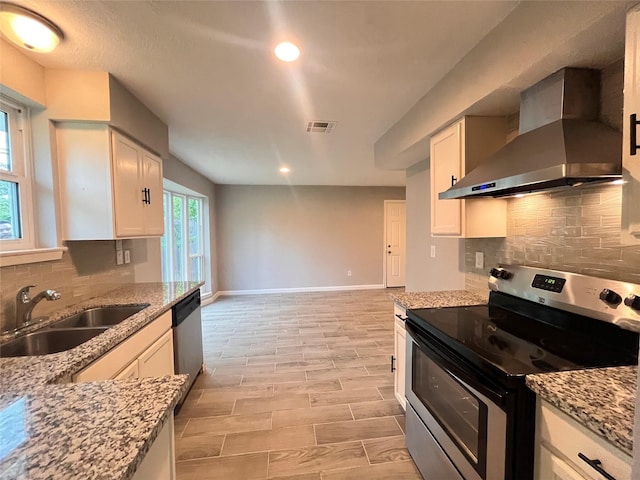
(518,337)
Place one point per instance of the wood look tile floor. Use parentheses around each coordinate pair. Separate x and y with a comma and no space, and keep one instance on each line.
(297,387)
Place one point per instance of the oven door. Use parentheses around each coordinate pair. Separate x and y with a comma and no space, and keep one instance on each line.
(461,410)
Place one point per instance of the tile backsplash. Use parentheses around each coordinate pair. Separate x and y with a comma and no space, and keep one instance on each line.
(87,269)
(576,230)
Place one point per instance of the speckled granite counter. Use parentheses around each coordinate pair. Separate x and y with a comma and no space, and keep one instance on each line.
(27,372)
(445,298)
(85,430)
(602,399)
(56,430)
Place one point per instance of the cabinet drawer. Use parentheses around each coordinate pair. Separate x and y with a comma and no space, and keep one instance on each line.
(398,310)
(116,359)
(566,438)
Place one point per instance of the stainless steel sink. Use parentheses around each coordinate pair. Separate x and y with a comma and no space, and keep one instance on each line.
(99,317)
(48,341)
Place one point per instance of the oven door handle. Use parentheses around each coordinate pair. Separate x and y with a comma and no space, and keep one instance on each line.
(450,363)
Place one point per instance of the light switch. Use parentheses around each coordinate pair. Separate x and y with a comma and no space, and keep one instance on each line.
(433,251)
(119,257)
(479,260)
(127,256)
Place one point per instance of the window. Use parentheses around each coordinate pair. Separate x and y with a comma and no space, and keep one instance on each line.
(183,242)
(16,214)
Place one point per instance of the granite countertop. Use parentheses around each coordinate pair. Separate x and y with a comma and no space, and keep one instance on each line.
(601,399)
(84,430)
(53,429)
(445,298)
(28,372)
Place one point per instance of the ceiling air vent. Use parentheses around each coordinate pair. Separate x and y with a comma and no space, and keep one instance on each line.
(317,126)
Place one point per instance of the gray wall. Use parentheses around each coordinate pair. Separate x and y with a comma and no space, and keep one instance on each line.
(272,237)
(423,272)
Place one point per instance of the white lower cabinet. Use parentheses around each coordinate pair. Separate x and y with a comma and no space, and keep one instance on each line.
(147,353)
(157,360)
(131,371)
(159,462)
(560,440)
(151,349)
(399,355)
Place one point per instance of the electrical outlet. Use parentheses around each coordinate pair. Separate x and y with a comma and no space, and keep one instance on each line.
(127,256)
(433,251)
(119,257)
(348,273)
(479,260)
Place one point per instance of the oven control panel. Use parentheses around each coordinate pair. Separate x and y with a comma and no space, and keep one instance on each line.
(549,283)
(608,300)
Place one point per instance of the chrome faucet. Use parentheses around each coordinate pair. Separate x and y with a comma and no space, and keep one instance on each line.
(25,304)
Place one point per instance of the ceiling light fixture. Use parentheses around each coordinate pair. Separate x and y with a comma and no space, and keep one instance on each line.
(287,52)
(285,170)
(29,29)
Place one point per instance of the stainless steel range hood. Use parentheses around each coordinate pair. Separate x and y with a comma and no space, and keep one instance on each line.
(560,142)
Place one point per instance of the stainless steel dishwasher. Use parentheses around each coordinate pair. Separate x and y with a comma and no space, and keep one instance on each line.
(187,338)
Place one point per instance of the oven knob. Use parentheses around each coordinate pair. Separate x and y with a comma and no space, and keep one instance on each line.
(505,275)
(500,273)
(610,297)
(633,301)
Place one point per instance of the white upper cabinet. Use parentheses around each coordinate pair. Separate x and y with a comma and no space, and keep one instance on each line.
(110,187)
(631,132)
(137,188)
(455,151)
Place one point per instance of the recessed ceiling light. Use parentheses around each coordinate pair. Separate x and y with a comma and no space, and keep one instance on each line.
(287,52)
(285,170)
(28,29)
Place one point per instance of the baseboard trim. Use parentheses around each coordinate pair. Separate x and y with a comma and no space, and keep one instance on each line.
(210,298)
(298,290)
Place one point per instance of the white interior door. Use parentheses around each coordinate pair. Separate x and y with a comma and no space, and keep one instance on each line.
(395,242)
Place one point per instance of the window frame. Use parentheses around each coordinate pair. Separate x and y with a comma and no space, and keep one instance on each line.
(171,190)
(191,255)
(21,173)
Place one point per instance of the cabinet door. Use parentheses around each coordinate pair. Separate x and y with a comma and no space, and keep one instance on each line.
(552,468)
(157,360)
(400,347)
(446,162)
(130,371)
(160,461)
(631,162)
(152,180)
(127,192)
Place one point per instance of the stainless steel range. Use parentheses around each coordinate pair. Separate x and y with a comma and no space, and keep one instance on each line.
(469,414)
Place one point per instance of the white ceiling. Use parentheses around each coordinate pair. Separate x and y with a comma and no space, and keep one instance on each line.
(235,113)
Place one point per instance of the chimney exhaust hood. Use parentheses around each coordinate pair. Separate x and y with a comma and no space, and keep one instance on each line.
(560,143)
